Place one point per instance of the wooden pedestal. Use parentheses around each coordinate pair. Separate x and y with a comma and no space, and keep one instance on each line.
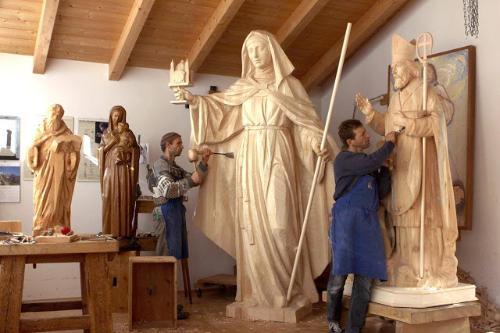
(152,298)
(453,318)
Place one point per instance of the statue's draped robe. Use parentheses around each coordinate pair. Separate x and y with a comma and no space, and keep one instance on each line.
(119,166)
(54,178)
(253,206)
(440,263)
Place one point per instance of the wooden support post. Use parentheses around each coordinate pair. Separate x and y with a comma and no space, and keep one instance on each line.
(11,290)
(99,304)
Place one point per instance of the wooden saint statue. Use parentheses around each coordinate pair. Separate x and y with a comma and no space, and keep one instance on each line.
(253,206)
(119,172)
(53,157)
(413,172)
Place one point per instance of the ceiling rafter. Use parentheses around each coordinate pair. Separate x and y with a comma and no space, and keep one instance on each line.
(130,33)
(305,12)
(44,35)
(362,30)
(213,30)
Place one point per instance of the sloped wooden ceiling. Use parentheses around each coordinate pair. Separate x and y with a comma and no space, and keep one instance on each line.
(150,33)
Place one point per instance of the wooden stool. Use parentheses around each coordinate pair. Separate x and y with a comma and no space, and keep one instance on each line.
(96,293)
(152,297)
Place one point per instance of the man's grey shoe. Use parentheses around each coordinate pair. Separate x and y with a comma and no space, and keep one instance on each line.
(334,327)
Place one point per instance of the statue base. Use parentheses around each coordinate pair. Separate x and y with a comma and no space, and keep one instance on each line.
(419,297)
(292,314)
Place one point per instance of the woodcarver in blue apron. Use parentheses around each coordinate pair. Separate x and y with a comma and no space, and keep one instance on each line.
(169,185)
(361,181)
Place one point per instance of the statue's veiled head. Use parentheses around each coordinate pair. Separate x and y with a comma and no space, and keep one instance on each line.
(261,50)
(54,117)
(258,51)
(116,116)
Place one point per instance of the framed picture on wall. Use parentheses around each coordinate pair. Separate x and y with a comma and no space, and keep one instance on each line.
(9,138)
(455,73)
(91,131)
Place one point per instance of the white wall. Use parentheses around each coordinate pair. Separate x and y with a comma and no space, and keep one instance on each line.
(85,92)
(478,250)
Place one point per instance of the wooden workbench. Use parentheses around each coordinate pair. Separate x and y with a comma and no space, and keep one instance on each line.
(96,293)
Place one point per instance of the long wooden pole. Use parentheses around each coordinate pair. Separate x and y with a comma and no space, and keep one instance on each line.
(318,162)
(424,41)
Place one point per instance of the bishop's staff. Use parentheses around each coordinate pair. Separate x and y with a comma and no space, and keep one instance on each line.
(319,161)
(423,48)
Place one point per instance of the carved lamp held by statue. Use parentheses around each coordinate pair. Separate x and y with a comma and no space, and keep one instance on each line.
(180,76)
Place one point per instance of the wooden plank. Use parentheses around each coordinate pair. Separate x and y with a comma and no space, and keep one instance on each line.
(56,239)
(361,31)
(84,293)
(75,247)
(11,290)
(459,325)
(54,258)
(216,25)
(300,18)
(55,324)
(51,305)
(98,292)
(152,299)
(145,205)
(11,226)
(133,27)
(44,35)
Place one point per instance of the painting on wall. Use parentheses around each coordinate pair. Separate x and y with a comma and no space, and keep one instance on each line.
(91,132)
(9,138)
(453,76)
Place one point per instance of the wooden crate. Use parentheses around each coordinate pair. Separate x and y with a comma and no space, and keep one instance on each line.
(152,298)
(118,278)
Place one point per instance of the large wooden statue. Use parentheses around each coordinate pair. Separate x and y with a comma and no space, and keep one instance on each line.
(253,206)
(440,222)
(53,157)
(119,172)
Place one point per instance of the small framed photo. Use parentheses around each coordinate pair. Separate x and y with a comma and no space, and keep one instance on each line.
(9,138)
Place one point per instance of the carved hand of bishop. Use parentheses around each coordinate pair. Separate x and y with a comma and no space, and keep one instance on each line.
(183,94)
(364,105)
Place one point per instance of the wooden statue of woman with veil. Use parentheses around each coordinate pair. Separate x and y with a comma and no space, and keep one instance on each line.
(253,206)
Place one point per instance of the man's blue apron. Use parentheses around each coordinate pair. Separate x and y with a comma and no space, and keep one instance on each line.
(357,241)
(174,214)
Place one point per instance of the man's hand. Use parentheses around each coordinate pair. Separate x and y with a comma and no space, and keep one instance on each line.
(391,136)
(205,153)
(196,178)
(364,105)
(183,94)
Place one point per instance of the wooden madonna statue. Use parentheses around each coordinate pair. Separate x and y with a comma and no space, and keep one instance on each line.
(119,172)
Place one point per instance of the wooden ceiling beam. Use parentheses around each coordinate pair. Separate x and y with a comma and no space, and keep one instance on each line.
(305,12)
(213,30)
(44,35)
(362,30)
(131,31)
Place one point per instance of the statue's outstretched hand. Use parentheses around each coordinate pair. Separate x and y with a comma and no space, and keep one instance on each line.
(183,94)
(364,105)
